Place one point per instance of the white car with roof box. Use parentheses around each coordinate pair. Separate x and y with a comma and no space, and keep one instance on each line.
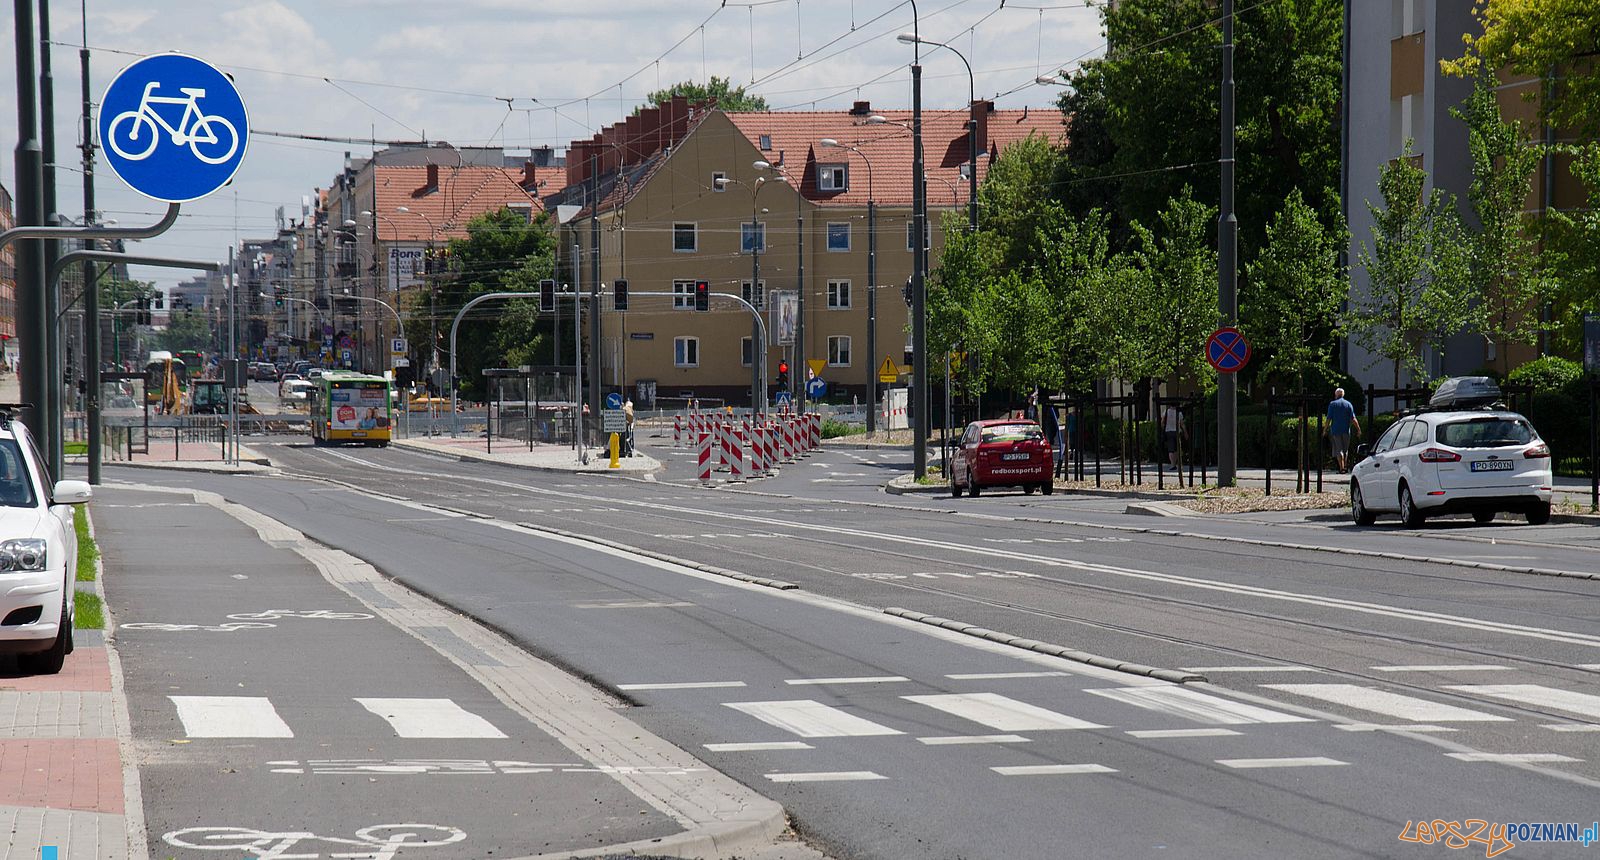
(1464,453)
(38,554)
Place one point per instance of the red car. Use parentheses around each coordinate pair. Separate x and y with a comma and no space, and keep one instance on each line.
(1004,452)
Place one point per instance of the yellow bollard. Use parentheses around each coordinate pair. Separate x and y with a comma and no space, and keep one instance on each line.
(615,444)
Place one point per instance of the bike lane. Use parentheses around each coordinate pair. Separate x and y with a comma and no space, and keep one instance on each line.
(275,714)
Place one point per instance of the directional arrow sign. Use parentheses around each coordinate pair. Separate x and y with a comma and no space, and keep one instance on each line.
(816,387)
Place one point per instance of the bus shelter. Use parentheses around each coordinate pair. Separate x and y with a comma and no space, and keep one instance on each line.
(530,406)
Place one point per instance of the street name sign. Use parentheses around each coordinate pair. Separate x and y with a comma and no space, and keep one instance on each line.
(1227,350)
(173,127)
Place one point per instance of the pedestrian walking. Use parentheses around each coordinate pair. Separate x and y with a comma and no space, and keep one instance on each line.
(627,437)
(1172,431)
(1051,427)
(1341,422)
(1031,411)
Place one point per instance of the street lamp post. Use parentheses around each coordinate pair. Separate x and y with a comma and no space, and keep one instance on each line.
(377,286)
(972,126)
(919,263)
(872,286)
(758,351)
(799,392)
(433,292)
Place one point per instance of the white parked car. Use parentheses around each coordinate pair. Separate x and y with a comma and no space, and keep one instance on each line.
(1460,455)
(38,554)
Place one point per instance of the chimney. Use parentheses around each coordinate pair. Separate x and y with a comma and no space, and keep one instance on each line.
(861,109)
(529,173)
(980,112)
(432,183)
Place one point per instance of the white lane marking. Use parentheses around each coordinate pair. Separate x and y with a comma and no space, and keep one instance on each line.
(759,746)
(1306,761)
(1571,727)
(1182,733)
(1196,706)
(880,679)
(230,717)
(991,552)
(953,740)
(1002,676)
(683,685)
(1378,727)
(810,719)
(364,463)
(1001,712)
(1051,769)
(1214,670)
(1587,704)
(1464,667)
(825,776)
(1511,758)
(634,604)
(430,718)
(1593,667)
(1389,704)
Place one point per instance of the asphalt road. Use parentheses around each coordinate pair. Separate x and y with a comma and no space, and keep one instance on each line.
(1389,688)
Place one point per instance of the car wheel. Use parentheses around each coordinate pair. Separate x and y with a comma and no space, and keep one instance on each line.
(1409,515)
(1358,507)
(50,660)
(1482,517)
(1539,515)
(1027,489)
(1048,487)
(972,486)
(955,488)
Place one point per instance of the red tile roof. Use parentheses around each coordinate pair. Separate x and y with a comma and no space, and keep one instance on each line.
(443,212)
(795,136)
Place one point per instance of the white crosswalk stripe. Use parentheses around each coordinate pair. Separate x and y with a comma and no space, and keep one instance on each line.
(1586,704)
(230,717)
(430,718)
(1001,713)
(1196,706)
(1389,704)
(811,719)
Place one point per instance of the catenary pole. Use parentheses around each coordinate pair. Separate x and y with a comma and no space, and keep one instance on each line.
(55,380)
(1227,265)
(31,322)
(91,297)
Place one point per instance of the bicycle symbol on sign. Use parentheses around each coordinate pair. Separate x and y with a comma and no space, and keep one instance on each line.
(380,842)
(133,129)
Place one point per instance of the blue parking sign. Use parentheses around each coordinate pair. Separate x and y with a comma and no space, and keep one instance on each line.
(173,127)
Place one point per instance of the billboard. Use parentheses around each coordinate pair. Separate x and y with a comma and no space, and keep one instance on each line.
(359,406)
(406,266)
(785,315)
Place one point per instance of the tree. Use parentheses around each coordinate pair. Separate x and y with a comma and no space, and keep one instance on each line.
(186,330)
(1575,248)
(1505,269)
(1536,38)
(1296,286)
(502,252)
(720,90)
(1175,303)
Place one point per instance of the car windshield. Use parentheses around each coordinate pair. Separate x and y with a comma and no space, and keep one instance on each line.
(16,491)
(1486,432)
(1011,433)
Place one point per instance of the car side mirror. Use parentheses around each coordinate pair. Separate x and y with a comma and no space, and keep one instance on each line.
(1361,452)
(71,492)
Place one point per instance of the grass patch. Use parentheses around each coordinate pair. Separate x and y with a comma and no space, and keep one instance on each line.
(87,551)
(832,429)
(75,448)
(89,614)
(932,478)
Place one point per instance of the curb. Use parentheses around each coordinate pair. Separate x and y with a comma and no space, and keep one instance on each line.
(475,457)
(1160,509)
(138,844)
(903,486)
(265,467)
(1072,654)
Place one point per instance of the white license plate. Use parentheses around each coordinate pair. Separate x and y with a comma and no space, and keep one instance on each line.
(1020,455)
(359,434)
(1493,465)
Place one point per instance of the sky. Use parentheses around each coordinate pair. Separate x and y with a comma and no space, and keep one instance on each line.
(508,73)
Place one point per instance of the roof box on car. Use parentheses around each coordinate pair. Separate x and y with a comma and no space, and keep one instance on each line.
(1465,392)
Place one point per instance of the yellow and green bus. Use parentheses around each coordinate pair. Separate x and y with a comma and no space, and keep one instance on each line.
(351,407)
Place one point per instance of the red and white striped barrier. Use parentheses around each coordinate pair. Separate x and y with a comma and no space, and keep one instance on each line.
(752,437)
(788,428)
(736,462)
(814,431)
(769,454)
(705,458)
(721,442)
(677,430)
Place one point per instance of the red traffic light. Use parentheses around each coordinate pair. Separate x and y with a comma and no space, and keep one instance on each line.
(783,367)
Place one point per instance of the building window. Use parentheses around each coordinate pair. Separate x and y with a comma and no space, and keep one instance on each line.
(719,180)
(832,177)
(838,295)
(686,351)
(685,238)
(838,235)
(746,351)
(766,142)
(683,295)
(753,237)
(839,350)
(756,298)
(927,234)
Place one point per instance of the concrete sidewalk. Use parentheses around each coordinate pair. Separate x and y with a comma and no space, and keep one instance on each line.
(543,458)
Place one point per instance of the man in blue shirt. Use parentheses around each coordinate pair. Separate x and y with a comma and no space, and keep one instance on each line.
(1341,420)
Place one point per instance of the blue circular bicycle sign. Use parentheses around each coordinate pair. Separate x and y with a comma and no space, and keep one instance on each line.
(173,127)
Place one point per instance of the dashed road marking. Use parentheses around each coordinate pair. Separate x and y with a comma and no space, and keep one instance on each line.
(1001,712)
(1217,670)
(1196,706)
(1001,676)
(430,718)
(1182,733)
(1464,667)
(760,746)
(1388,704)
(683,685)
(230,717)
(1051,769)
(878,679)
(959,740)
(826,776)
(810,719)
(1304,761)
(1586,704)
(1512,758)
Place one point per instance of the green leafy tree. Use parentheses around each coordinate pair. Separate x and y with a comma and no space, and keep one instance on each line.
(1296,285)
(186,330)
(502,252)
(721,90)
(1506,271)
(1575,247)
(1535,38)
(1175,305)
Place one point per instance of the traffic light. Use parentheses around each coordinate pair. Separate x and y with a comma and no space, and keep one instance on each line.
(547,295)
(783,375)
(619,296)
(702,295)
(907,292)
(277,301)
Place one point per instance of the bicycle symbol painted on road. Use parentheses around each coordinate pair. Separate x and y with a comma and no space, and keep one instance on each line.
(379,842)
(275,614)
(134,133)
(250,620)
